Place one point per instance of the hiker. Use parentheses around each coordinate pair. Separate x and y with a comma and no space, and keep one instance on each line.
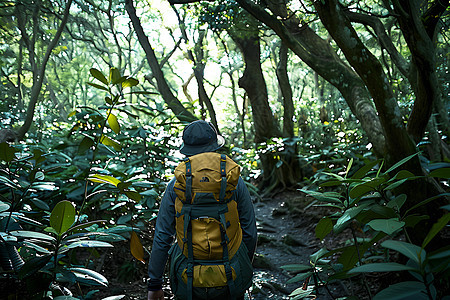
(208,208)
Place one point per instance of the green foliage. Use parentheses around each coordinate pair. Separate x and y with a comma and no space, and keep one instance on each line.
(364,205)
(97,185)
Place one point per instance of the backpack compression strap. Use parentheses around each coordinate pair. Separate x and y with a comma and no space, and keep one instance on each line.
(223,183)
(188,192)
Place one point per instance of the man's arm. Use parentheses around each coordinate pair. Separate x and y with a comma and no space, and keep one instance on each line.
(246,217)
(163,238)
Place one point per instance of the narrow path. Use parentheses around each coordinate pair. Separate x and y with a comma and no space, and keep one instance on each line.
(285,236)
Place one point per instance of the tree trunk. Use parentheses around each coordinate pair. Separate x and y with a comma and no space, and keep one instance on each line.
(172,102)
(40,74)
(399,143)
(264,123)
(254,84)
(321,57)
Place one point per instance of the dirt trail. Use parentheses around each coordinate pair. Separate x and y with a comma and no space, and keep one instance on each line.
(285,236)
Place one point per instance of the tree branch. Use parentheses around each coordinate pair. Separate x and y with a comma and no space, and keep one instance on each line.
(384,39)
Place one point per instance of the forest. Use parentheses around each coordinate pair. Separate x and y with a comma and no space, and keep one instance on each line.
(337,112)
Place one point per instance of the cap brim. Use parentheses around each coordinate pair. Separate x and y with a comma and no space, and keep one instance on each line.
(193,150)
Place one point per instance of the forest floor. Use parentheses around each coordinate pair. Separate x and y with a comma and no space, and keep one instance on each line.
(286,235)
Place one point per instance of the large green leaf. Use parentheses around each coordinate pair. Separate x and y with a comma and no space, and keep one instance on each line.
(440,173)
(299,277)
(97,86)
(98,75)
(323,228)
(7,153)
(105,140)
(104,179)
(33,265)
(364,169)
(404,290)
(62,216)
(4,206)
(409,250)
(85,144)
(441,223)
(89,244)
(89,276)
(32,235)
(366,187)
(380,267)
(401,162)
(113,123)
(426,201)
(348,215)
(296,268)
(388,226)
(129,82)
(322,196)
(114,76)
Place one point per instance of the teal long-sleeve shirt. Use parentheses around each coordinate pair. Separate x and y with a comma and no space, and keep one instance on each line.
(165,230)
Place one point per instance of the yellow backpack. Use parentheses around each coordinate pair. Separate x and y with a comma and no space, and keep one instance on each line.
(209,236)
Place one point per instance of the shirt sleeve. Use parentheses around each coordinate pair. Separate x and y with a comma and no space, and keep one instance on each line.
(246,217)
(163,238)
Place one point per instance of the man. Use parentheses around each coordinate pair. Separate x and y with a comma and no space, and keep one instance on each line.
(198,137)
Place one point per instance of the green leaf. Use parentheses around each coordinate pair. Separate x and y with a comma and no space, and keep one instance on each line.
(33,265)
(113,123)
(388,226)
(110,142)
(397,202)
(440,173)
(296,268)
(380,267)
(129,82)
(318,255)
(366,187)
(6,181)
(40,204)
(62,216)
(7,153)
(321,197)
(301,293)
(85,144)
(401,162)
(409,250)
(36,247)
(98,75)
(395,184)
(118,297)
(104,179)
(97,86)
(89,276)
(299,277)
(39,176)
(403,290)
(323,228)
(114,75)
(413,220)
(133,195)
(3,206)
(426,201)
(441,223)
(88,244)
(364,169)
(349,166)
(32,235)
(331,183)
(348,215)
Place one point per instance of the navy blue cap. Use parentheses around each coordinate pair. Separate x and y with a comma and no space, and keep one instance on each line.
(200,136)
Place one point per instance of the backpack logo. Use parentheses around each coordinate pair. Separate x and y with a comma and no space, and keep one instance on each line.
(204,179)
